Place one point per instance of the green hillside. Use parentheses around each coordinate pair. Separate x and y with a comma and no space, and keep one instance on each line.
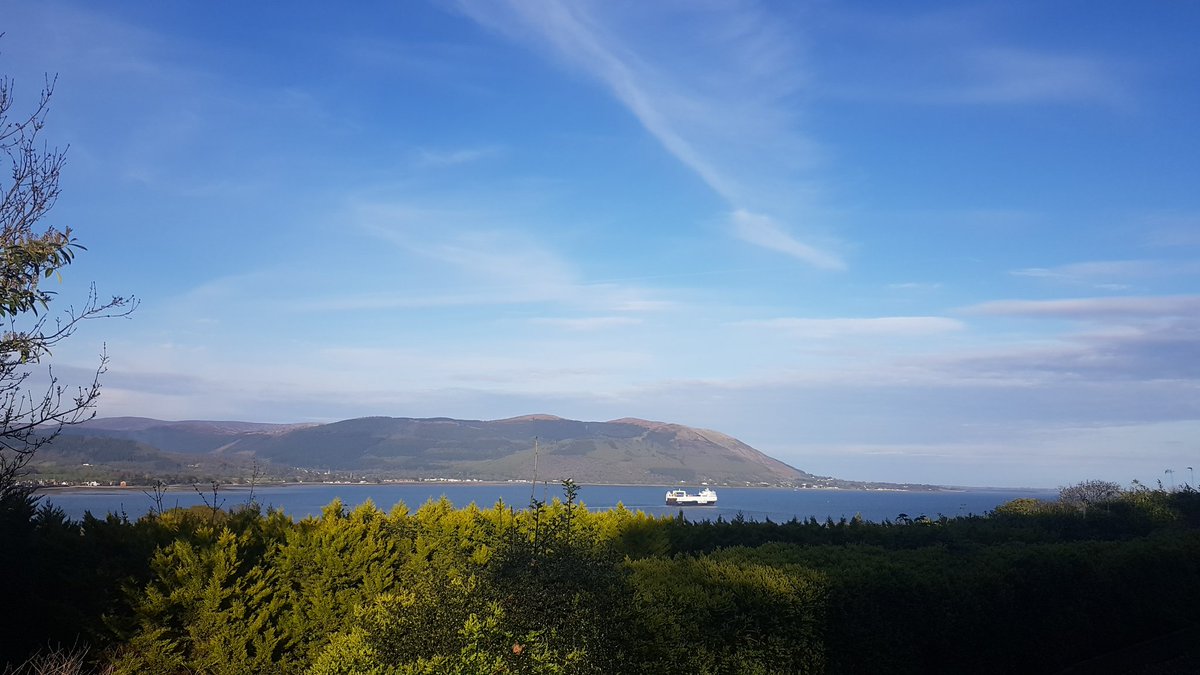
(620,451)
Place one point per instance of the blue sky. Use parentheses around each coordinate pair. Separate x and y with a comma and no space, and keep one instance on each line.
(937,242)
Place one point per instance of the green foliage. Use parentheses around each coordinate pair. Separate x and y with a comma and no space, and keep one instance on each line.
(703,615)
(210,606)
(491,591)
(64,576)
(32,416)
(1024,506)
(482,644)
(560,584)
(556,588)
(995,609)
(24,261)
(1089,492)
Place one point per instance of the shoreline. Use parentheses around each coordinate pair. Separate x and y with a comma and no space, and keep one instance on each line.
(242,487)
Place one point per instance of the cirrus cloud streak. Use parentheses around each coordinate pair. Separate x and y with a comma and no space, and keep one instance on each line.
(1093,308)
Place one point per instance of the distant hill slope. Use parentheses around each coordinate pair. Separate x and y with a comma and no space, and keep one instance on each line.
(627,450)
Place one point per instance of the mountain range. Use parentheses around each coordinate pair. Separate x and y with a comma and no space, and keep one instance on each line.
(626,450)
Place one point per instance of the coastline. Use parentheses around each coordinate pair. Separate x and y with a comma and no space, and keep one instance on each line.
(243,487)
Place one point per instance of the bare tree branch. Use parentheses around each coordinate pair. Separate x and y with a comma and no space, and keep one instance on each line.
(34,410)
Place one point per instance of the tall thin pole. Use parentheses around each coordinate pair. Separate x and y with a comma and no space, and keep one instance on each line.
(533,485)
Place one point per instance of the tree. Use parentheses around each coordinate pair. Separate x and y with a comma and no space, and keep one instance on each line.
(1024,506)
(34,410)
(1089,492)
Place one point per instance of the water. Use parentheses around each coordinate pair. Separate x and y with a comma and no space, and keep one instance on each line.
(777,504)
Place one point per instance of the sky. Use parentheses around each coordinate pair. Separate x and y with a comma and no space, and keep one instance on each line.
(941,242)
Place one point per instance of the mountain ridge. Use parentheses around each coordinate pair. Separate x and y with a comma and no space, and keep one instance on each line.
(628,449)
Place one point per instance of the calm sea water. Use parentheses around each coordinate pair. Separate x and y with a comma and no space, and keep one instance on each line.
(777,504)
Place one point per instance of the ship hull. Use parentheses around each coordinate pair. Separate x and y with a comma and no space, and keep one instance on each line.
(682,498)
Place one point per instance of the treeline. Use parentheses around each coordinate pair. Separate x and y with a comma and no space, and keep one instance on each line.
(554,588)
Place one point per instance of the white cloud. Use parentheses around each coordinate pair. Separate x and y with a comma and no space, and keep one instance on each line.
(886,326)
(721,102)
(458,292)
(572,33)
(1093,308)
(764,231)
(587,323)
(958,57)
(915,286)
(1089,271)
(1172,230)
(441,256)
(1107,273)
(1011,75)
(633,304)
(1156,350)
(447,158)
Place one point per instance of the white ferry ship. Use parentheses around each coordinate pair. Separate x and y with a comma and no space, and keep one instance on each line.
(706,497)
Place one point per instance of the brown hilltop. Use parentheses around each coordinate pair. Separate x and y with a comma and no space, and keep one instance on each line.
(626,450)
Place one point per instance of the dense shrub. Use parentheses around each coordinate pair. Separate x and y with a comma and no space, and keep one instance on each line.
(554,588)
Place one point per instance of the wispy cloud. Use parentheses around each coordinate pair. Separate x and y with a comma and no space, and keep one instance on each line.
(446,158)
(895,326)
(587,323)
(962,56)
(1010,75)
(764,231)
(1110,274)
(1088,270)
(572,33)
(1093,308)
(717,105)
(602,297)
(1172,230)
(915,286)
(443,256)
(636,304)
(1164,350)
(477,255)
